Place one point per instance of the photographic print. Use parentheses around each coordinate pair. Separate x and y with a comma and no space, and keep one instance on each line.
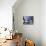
(28,20)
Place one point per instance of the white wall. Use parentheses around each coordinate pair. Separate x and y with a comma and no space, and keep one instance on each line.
(6,13)
(43,22)
(39,27)
(29,8)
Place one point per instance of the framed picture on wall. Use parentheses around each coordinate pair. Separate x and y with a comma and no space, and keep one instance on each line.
(28,20)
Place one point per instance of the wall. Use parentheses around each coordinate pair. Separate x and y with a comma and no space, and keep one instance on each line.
(43,22)
(29,8)
(6,13)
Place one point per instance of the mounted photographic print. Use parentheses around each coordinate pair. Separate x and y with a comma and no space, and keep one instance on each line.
(28,20)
